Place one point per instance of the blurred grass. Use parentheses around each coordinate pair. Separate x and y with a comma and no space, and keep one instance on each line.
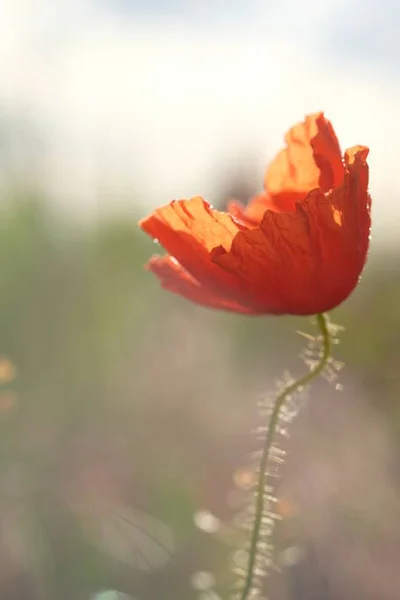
(116,377)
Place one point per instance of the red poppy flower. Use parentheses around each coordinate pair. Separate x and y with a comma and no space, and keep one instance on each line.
(298,248)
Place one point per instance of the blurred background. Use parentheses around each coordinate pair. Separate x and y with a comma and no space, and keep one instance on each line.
(125,412)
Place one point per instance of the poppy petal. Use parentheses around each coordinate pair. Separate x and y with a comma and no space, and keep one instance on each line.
(189,230)
(175,279)
(310,260)
(251,214)
(312,159)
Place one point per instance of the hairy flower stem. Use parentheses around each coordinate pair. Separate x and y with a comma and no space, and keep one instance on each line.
(322,322)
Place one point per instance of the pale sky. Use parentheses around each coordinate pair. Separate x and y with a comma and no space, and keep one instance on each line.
(145,101)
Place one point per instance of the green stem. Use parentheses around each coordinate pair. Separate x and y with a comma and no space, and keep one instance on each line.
(322,322)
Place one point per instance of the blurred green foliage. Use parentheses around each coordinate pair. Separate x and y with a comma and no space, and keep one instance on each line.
(124,394)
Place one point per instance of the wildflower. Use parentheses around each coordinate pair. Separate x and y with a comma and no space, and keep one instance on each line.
(298,248)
